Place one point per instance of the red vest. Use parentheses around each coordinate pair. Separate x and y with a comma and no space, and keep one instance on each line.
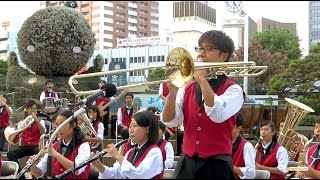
(31,136)
(165,89)
(126,147)
(102,99)
(311,151)
(95,125)
(163,151)
(271,161)
(201,133)
(53,94)
(125,118)
(59,169)
(141,158)
(237,157)
(4,118)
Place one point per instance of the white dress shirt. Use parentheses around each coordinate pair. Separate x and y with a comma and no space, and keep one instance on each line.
(282,157)
(225,105)
(149,167)
(168,163)
(249,155)
(83,154)
(43,96)
(119,114)
(160,89)
(100,131)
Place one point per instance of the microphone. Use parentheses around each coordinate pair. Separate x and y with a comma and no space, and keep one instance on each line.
(107,90)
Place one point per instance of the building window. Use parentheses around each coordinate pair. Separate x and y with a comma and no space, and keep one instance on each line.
(144,4)
(85,13)
(84,5)
(120,14)
(154,29)
(121,6)
(121,22)
(133,32)
(52,4)
(154,6)
(143,19)
(120,30)
(154,14)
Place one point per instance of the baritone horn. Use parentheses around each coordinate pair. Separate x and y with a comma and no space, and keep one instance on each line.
(180,67)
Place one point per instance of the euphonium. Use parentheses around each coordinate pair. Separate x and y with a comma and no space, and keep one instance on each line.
(11,132)
(89,130)
(302,157)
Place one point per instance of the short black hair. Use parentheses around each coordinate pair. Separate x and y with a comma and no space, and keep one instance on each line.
(148,119)
(94,108)
(128,94)
(48,81)
(152,108)
(30,103)
(240,119)
(220,40)
(103,81)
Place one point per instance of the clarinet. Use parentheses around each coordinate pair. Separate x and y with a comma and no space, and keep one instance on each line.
(93,158)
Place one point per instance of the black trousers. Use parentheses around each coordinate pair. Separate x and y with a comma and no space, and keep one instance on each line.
(105,122)
(21,152)
(2,139)
(198,168)
(179,139)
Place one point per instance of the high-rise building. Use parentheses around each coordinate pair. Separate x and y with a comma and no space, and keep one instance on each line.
(112,20)
(8,38)
(314,23)
(190,20)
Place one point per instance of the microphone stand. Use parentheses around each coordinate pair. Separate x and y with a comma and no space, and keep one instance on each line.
(55,133)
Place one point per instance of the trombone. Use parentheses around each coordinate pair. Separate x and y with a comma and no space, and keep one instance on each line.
(180,68)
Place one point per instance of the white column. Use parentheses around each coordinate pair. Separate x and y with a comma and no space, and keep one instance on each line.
(246,50)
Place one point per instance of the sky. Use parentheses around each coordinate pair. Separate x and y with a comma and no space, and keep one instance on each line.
(283,11)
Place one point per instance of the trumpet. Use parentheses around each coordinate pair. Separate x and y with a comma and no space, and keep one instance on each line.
(180,68)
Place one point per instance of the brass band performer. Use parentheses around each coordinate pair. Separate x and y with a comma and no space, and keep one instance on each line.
(208,110)
(271,155)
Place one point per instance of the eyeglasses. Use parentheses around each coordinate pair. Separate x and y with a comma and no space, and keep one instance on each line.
(206,49)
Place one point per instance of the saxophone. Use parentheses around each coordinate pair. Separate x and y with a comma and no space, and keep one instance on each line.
(42,142)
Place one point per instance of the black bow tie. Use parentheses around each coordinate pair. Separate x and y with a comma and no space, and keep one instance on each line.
(63,145)
(128,108)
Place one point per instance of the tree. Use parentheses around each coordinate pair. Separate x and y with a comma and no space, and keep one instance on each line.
(279,40)
(155,75)
(298,81)
(3,74)
(262,57)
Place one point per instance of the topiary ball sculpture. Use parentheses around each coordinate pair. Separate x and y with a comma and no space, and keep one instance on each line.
(56,41)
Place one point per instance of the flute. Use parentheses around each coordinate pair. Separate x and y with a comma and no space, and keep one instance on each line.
(93,158)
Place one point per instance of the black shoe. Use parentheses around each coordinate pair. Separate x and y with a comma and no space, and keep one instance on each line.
(177,154)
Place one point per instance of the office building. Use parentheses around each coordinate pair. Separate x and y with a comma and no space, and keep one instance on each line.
(113,20)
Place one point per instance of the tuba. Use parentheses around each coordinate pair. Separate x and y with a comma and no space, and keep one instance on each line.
(11,132)
(288,137)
